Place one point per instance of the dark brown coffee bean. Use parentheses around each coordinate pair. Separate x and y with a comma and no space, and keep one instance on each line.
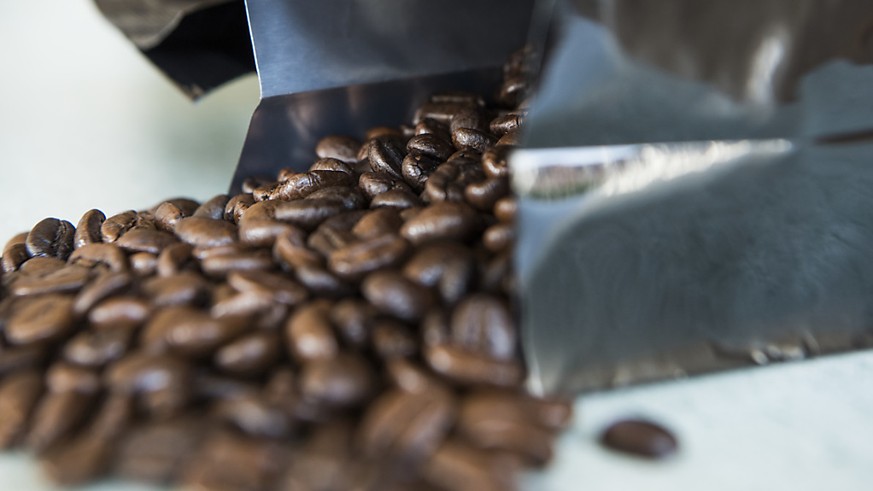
(353,319)
(279,288)
(145,240)
(495,275)
(68,279)
(72,391)
(205,232)
(335,233)
(447,266)
(350,197)
(482,323)
(409,376)
(193,333)
(459,467)
(78,461)
(406,426)
(511,139)
(448,181)
(158,451)
(40,266)
(333,164)
(174,259)
(92,255)
(250,184)
(433,127)
(494,161)
(13,257)
(143,263)
(254,416)
(116,225)
(471,138)
(391,339)
(322,282)
(204,253)
(505,123)
(343,380)
(97,348)
(231,462)
(308,214)
(51,237)
(470,368)
(250,354)
(88,229)
(161,381)
(119,311)
(395,295)
(375,183)
(309,333)
(513,90)
(442,112)
(243,304)
(41,319)
(444,220)
(19,358)
(505,209)
(102,287)
(484,194)
(431,145)
(395,198)
(435,328)
(291,251)
(19,394)
(355,260)
(640,438)
(167,215)
(213,207)
(338,147)
(469,118)
(261,232)
(303,184)
(218,266)
(235,207)
(186,205)
(417,168)
(180,289)
(378,222)
(499,237)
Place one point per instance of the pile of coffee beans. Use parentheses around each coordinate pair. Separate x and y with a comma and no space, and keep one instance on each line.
(350,327)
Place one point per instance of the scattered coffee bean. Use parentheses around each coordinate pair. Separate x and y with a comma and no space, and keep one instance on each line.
(641,438)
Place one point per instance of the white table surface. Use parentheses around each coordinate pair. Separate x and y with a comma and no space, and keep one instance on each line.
(85,122)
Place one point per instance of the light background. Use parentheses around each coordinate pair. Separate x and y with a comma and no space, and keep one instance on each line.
(86,122)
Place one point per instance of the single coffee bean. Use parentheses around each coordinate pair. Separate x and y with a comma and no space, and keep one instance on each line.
(499,237)
(395,295)
(192,333)
(322,282)
(174,259)
(484,194)
(471,138)
(213,207)
(409,376)
(376,183)
(357,259)
(431,145)
(279,288)
(511,139)
(180,289)
(243,304)
(115,226)
(167,215)
(469,118)
(343,380)
(41,319)
(88,229)
(97,348)
(119,311)
(432,127)
(332,164)
(494,161)
(457,466)
(261,232)
(335,233)
(353,319)
(309,333)
(505,123)
(250,354)
(71,394)
(254,416)
(235,207)
(143,264)
(447,266)
(300,185)
(19,394)
(40,266)
(69,279)
(92,255)
(343,148)
(439,111)
(395,198)
(482,323)
(13,257)
(186,205)
(102,287)
(406,426)
(444,220)
(218,266)
(391,339)
(505,209)
(205,232)
(250,184)
(641,438)
(513,90)
(468,368)
(160,380)
(308,214)
(51,237)
(417,168)
(145,240)
(350,197)
(435,328)
(378,222)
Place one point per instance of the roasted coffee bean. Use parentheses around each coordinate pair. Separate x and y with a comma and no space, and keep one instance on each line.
(205,232)
(18,358)
(40,266)
(513,91)
(350,197)
(143,263)
(395,198)
(505,209)
(157,451)
(466,367)
(261,232)
(235,207)
(174,258)
(442,112)
(186,205)
(395,295)
(291,252)
(193,333)
(119,311)
(353,319)
(511,139)
(250,184)
(13,257)
(373,184)
(68,279)
(332,164)
(494,161)
(88,229)
(102,287)
(300,185)
(78,461)
(279,288)
(213,207)
(482,323)
(322,282)
(309,333)
(499,237)
(229,461)
(447,266)
(406,426)
(19,394)
(640,438)
(435,328)
(145,240)
(391,339)
(254,416)
(505,123)
(470,118)
(444,220)
(220,265)
(167,215)
(335,233)
(430,145)
(339,147)
(115,226)
(41,319)
(250,354)
(409,376)
(459,467)
(432,127)
(342,380)
(378,222)
(357,259)
(243,304)
(308,214)
(484,194)
(92,255)
(472,138)
(51,237)
(417,168)
(180,289)
(161,381)
(97,348)
(72,391)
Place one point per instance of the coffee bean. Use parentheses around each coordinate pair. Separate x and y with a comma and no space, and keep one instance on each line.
(357,259)
(308,214)
(119,311)
(457,466)
(494,161)
(349,197)
(484,194)
(92,255)
(40,266)
(279,288)
(143,263)
(432,127)
(303,184)
(167,215)
(68,279)
(417,168)
(291,251)
(193,333)
(395,198)
(220,265)
(250,354)
(338,147)
(71,394)
(19,394)
(205,232)
(640,438)
(309,333)
(430,145)
(255,417)
(499,237)
(322,282)
(102,287)
(98,348)
(41,319)
(180,289)
(161,381)
(334,233)
(505,209)
(13,257)
(261,232)
(444,220)
(235,207)
(506,123)
(391,339)
(88,229)
(465,367)
(472,138)
(343,380)
(51,237)
(157,451)
(378,222)
(469,118)
(230,461)
(333,164)
(395,295)
(511,139)
(145,240)
(174,258)
(213,207)
(243,304)
(373,184)
(115,226)
(409,376)
(442,112)
(353,319)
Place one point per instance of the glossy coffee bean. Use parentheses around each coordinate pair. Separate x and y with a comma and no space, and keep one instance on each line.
(359,258)
(309,333)
(417,168)
(343,380)
(640,438)
(115,226)
(249,354)
(95,254)
(466,367)
(375,223)
(100,288)
(300,185)
(42,319)
(441,221)
(213,207)
(308,214)
(393,294)
(68,279)
(145,240)
(88,228)
(51,237)
(205,232)
(343,148)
